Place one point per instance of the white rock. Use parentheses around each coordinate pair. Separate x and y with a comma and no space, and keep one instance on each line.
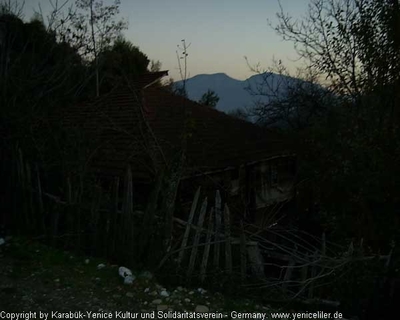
(129,279)
(101,266)
(164,293)
(191,292)
(187,300)
(201,290)
(146,290)
(124,272)
(2,241)
(87,261)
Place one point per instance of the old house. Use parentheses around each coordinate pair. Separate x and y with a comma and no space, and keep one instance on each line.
(149,128)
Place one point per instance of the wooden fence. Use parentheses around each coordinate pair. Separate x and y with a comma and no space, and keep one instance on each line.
(205,244)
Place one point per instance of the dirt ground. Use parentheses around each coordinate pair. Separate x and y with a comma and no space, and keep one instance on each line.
(34,277)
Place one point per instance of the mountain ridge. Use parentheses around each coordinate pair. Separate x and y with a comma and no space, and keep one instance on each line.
(232,92)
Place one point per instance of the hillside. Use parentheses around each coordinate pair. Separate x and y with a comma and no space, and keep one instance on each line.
(234,93)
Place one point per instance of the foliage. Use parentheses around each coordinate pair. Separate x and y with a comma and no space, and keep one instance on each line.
(345,117)
(239,113)
(89,27)
(291,102)
(120,62)
(210,99)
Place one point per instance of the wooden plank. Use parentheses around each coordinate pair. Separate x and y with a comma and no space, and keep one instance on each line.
(169,203)
(243,253)
(217,228)
(127,209)
(288,274)
(206,252)
(313,274)
(304,273)
(40,199)
(256,261)
(196,239)
(323,244)
(149,216)
(22,203)
(188,226)
(128,192)
(114,222)
(29,187)
(228,248)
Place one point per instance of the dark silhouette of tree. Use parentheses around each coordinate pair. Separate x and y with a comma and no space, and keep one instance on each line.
(122,61)
(210,99)
(351,152)
(90,27)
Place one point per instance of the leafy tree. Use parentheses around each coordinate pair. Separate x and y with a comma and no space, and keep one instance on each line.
(89,27)
(210,99)
(350,152)
(121,61)
(286,101)
(239,114)
(155,66)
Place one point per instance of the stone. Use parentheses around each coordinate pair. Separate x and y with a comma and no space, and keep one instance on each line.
(162,307)
(164,293)
(146,275)
(157,301)
(201,308)
(129,279)
(101,266)
(129,294)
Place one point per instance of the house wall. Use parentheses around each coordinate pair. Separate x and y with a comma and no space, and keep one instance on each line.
(274,181)
(252,192)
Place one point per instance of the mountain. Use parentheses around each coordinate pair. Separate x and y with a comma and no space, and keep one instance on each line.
(232,92)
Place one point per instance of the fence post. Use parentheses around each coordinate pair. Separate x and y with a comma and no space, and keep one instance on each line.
(228,248)
(206,252)
(40,198)
(115,221)
(148,218)
(243,253)
(313,274)
(188,226)
(217,228)
(196,239)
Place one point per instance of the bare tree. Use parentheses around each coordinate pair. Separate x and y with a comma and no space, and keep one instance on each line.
(88,26)
(285,100)
(350,42)
(182,69)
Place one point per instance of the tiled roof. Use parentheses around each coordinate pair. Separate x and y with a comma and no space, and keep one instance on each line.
(213,138)
(138,125)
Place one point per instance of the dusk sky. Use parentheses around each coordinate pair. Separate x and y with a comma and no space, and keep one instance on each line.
(221,32)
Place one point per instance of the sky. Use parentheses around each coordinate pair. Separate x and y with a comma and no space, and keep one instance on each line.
(220,32)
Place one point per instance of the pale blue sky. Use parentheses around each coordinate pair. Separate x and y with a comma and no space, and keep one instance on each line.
(221,32)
